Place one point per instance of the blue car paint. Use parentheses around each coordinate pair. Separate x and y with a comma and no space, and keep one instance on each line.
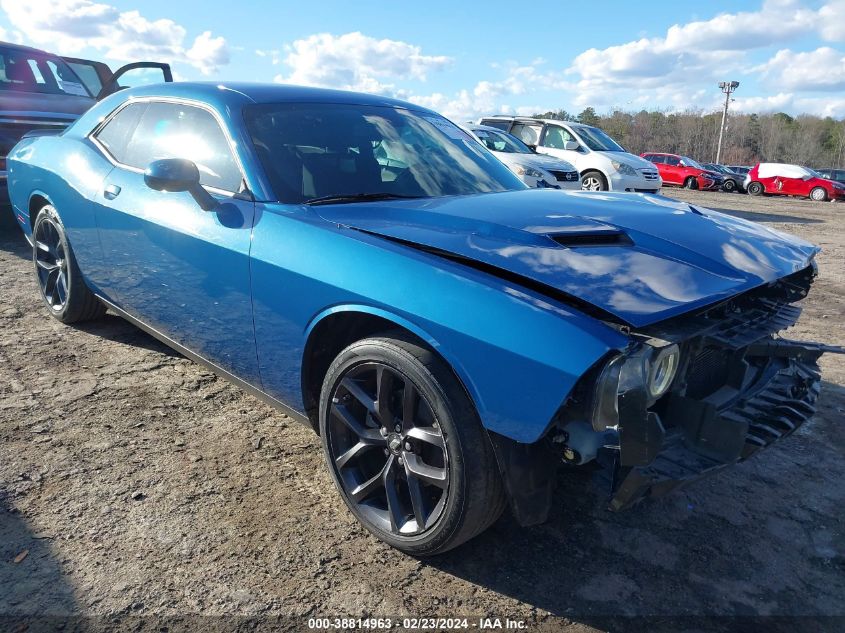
(681,259)
(517,351)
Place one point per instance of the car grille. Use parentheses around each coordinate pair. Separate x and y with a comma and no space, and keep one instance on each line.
(707,372)
(567,176)
(650,174)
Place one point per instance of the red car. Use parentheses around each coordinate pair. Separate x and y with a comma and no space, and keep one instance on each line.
(792,180)
(683,171)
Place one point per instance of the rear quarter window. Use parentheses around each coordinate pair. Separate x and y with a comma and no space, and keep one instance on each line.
(115,135)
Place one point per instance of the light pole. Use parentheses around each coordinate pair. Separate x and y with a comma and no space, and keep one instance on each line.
(727,87)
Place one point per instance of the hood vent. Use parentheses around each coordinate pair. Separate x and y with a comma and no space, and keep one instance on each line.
(591,239)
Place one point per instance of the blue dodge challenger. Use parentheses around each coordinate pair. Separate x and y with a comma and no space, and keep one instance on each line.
(366,267)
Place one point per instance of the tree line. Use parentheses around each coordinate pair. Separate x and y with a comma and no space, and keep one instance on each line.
(749,138)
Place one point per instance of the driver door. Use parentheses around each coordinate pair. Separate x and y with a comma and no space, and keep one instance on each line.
(177,268)
(554,142)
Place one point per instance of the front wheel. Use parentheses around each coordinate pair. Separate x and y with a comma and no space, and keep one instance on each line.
(691,183)
(61,284)
(405,447)
(729,186)
(818,194)
(594,181)
(755,189)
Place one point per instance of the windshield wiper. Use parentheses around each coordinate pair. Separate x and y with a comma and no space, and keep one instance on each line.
(359,197)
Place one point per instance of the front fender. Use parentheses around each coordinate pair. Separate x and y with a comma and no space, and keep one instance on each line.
(518,353)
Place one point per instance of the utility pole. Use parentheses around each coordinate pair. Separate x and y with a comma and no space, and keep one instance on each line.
(727,87)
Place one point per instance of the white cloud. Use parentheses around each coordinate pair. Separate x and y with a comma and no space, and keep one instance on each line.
(700,50)
(821,69)
(494,97)
(793,103)
(69,26)
(832,17)
(355,61)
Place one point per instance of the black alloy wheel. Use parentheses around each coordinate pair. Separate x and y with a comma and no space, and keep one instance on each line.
(61,284)
(729,185)
(405,448)
(388,449)
(51,263)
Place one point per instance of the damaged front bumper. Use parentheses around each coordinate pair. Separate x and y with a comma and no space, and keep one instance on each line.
(772,391)
(740,389)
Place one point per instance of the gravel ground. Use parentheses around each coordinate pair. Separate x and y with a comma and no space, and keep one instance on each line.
(136,488)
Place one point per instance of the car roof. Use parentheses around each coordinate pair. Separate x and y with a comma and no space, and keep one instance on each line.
(243,93)
(28,49)
(529,119)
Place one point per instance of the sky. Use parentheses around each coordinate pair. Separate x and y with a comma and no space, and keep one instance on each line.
(467,59)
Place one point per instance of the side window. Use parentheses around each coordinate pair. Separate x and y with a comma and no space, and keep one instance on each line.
(36,71)
(173,130)
(117,132)
(527,133)
(839,174)
(554,137)
(657,159)
(502,124)
(673,161)
(88,74)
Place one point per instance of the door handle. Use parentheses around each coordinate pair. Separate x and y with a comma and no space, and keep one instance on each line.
(111,192)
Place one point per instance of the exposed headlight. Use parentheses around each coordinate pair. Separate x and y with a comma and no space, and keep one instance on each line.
(649,368)
(525,170)
(661,370)
(623,168)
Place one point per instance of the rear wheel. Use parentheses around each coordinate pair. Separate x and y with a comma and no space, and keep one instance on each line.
(818,194)
(405,447)
(691,183)
(755,189)
(594,181)
(62,287)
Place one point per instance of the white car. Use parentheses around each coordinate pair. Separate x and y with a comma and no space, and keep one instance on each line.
(601,161)
(535,170)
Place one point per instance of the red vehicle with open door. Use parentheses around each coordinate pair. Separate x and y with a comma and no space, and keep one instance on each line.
(44,93)
(683,171)
(792,180)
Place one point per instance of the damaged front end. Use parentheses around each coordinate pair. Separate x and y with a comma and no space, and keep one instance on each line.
(696,393)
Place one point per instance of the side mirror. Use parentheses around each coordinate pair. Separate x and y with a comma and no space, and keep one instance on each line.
(570,145)
(178,174)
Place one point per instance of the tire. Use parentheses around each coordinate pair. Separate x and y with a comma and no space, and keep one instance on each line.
(729,186)
(366,437)
(593,181)
(62,287)
(755,188)
(691,183)
(818,194)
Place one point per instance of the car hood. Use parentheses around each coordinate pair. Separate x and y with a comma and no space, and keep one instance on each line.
(639,258)
(44,106)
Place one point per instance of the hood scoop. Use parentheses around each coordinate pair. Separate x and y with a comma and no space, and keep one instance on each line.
(592,239)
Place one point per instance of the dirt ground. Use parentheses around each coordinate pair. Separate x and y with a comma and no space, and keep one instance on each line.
(146,493)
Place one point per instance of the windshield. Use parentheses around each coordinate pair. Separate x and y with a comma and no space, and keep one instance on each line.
(312,151)
(502,142)
(597,140)
(689,162)
(27,71)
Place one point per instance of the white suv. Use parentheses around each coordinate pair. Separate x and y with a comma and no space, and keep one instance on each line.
(602,163)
